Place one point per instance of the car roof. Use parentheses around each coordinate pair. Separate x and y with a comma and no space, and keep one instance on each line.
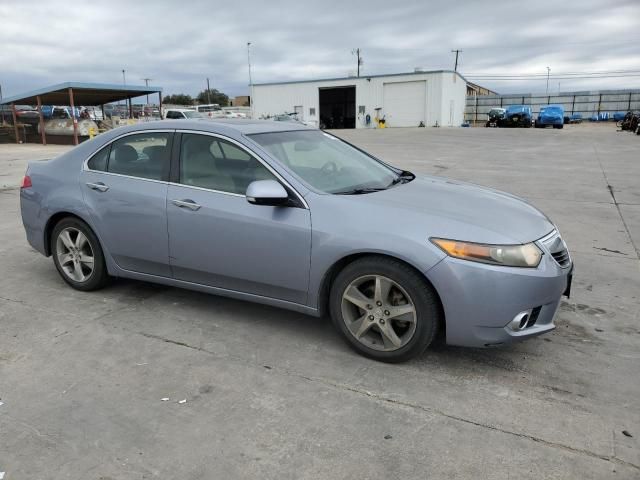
(220,125)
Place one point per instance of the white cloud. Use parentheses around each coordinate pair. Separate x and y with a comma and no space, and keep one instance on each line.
(180,43)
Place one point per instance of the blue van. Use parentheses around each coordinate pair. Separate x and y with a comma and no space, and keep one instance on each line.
(550,115)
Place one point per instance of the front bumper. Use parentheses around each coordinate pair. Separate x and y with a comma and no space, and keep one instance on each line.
(481,300)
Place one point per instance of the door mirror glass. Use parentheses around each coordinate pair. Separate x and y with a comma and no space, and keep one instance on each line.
(266,192)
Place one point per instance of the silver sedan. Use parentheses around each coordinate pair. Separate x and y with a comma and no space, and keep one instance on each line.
(290,216)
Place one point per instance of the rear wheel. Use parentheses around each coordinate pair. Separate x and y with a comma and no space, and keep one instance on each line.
(384,309)
(78,256)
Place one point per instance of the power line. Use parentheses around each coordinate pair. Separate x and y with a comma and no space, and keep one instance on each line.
(544,79)
(544,75)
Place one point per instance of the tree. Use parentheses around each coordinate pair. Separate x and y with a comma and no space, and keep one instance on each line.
(178,99)
(215,95)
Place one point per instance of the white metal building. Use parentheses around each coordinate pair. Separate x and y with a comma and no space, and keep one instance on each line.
(404,99)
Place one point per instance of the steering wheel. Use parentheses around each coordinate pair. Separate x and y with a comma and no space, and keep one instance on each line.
(329,168)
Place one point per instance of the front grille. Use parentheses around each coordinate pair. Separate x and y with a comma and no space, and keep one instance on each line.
(557,248)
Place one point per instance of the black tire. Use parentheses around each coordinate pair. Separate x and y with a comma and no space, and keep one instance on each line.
(99,276)
(424,298)
(559,127)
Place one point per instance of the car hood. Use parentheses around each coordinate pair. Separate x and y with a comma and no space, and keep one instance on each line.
(551,115)
(457,210)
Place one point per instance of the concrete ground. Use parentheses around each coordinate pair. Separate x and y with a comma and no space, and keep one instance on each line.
(273,394)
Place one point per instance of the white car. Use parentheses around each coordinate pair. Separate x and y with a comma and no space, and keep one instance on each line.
(181,113)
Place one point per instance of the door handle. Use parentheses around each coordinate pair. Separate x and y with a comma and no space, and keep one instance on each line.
(99,186)
(186,203)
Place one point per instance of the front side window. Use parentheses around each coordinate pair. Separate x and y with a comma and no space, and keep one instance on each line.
(326,162)
(191,114)
(144,155)
(216,164)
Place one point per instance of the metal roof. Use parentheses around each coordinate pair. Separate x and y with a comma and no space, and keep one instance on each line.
(363,77)
(83,94)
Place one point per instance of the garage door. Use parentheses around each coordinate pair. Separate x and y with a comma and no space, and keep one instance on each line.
(404,103)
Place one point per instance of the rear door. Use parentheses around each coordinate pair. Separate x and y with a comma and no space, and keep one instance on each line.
(125,189)
(219,239)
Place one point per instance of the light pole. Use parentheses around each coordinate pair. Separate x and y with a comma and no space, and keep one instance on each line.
(548,71)
(146,82)
(124,82)
(250,81)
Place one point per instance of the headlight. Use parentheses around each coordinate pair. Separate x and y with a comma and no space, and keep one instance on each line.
(528,255)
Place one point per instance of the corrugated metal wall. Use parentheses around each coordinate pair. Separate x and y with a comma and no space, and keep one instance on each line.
(585,103)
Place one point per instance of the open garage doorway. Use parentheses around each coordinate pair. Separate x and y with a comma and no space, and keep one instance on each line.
(338,107)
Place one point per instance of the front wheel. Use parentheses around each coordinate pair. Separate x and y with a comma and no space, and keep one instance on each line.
(78,256)
(384,309)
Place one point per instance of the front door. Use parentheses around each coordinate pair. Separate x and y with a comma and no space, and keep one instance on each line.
(219,239)
(125,189)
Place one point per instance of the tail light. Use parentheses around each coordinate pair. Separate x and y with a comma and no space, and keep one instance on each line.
(26,182)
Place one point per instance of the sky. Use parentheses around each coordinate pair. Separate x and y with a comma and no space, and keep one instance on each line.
(178,44)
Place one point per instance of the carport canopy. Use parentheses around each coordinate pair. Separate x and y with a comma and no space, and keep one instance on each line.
(87,94)
(77,93)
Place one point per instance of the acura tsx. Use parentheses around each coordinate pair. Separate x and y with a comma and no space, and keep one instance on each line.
(294,217)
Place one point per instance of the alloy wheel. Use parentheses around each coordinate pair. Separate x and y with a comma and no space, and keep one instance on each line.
(75,254)
(379,313)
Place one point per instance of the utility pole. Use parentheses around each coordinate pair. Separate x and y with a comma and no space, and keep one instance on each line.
(356,52)
(146,82)
(250,81)
(548,71)
(208,92)
(457,52)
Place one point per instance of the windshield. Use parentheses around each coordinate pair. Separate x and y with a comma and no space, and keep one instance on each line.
(326,162)
(517,109)
(192,114)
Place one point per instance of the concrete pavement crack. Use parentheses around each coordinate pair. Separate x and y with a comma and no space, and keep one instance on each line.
(617,205)
(391,401)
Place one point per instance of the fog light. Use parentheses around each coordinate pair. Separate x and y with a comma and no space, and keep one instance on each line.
(519,322)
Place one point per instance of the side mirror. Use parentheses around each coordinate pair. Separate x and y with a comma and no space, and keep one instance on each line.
(266,192)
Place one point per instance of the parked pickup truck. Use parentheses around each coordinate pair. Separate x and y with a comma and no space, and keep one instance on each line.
(516,116)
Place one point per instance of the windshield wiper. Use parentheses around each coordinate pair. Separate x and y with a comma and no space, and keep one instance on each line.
(360,191)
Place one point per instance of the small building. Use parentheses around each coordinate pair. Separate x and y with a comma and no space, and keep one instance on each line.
(240,101)
(420,98)
(474,90)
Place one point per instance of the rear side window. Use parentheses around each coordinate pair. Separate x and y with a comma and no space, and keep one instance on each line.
(144,155)
(99,160)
